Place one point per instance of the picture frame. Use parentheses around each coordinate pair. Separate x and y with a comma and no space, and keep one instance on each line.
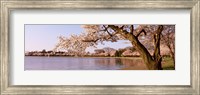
(8,5)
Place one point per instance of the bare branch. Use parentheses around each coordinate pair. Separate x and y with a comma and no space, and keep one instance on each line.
(122,27)
(91,40)
(142,31)
(132,29)
(106,29)
(118,30)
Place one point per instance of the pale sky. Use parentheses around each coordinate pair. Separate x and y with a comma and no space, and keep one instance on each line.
(45,36)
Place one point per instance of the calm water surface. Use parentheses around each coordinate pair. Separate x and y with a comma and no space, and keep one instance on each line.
(81,63)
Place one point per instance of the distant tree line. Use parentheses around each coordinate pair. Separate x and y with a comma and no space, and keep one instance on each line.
(104,52)
(46,53)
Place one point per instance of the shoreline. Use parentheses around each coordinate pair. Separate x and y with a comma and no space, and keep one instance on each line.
(88,56)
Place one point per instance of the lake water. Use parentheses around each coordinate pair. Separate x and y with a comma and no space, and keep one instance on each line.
(82,63)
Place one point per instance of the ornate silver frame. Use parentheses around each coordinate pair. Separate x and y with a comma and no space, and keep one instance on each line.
(8,5)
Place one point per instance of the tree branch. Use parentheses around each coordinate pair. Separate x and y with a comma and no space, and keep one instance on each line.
(106,29)
(90,40)
(122,27)
(142,31)
(132,29)
(157,38)
(110,35)
(118,30)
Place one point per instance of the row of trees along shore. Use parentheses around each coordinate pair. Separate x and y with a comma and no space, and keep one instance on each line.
(143,38)
(105,52)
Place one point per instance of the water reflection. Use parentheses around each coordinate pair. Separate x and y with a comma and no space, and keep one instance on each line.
(124,63)
(78,63)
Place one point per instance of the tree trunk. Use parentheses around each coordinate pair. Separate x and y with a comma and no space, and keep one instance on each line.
(173,57)
(152,63)
(156,56)
(171,53)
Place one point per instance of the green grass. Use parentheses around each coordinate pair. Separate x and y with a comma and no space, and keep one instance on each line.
(168,63)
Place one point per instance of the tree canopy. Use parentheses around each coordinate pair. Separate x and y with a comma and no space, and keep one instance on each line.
(144,38)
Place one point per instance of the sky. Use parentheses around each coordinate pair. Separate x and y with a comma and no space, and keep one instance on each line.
(45,36)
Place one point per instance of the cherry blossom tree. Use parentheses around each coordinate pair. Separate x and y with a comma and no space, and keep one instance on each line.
(168,39)
(116,32)
(109,50)
(73,44)
(142,38)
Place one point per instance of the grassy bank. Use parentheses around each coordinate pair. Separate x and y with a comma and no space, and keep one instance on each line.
(168,64)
